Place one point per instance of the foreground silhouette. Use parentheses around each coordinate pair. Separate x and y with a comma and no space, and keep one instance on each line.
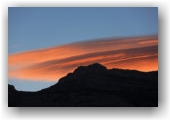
(92,86)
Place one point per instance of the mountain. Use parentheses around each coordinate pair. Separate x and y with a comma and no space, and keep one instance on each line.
(94,85)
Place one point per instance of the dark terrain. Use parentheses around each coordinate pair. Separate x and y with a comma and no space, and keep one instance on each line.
(93,86)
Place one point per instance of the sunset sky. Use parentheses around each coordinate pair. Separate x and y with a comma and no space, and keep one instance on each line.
(45,44)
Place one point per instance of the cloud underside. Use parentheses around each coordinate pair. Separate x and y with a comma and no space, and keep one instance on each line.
(50,64)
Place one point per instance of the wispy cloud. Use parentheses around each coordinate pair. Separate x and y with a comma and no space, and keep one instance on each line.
(50,64)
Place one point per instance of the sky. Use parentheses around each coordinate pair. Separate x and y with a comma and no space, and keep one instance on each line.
(41,39)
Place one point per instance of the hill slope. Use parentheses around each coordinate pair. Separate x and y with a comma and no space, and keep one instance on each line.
(94,85)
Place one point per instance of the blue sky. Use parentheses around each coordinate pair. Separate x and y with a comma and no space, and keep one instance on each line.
(34,28)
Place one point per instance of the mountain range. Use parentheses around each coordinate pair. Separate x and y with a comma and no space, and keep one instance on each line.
(93,86)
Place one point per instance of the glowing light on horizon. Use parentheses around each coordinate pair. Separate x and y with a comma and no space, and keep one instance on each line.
(50,64)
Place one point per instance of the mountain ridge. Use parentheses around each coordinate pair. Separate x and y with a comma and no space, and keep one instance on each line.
(95,85)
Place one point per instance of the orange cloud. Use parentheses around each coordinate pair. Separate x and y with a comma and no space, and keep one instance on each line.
(139,53)
(149,42)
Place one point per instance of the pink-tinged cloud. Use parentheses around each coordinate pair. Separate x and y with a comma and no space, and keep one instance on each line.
(50,64)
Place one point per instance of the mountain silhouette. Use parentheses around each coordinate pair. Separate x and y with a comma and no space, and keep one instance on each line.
(93,86)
